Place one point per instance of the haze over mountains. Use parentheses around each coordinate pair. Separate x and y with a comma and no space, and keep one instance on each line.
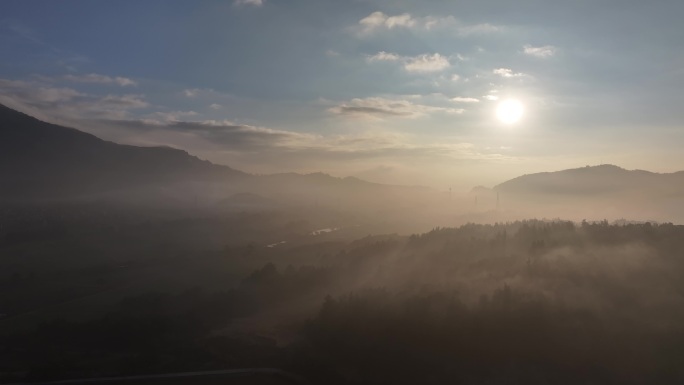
(41,162)
(601,179)
(600,191)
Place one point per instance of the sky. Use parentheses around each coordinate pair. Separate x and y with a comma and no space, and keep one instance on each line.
(401,92)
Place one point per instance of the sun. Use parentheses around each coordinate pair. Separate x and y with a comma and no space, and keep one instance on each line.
(510,111)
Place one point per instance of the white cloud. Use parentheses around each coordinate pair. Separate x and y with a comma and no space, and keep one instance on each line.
(174,116)
(491,97)
(403,20)
(507,73)
(421,63)
(378,21)
(256,3)
(460,99)
(384,56)
(455,77)
(125,81)
(379,108)
(101,79)
(540,52)
(125,101)
(207,94)
(332,53)
(427,63)
(432,22)
(215,106)
(191,92)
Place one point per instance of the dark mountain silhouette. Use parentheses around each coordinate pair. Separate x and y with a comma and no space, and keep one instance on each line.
(39,159)
(604,191)
(589,180)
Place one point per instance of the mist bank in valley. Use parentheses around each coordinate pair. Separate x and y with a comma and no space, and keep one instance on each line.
(530,301)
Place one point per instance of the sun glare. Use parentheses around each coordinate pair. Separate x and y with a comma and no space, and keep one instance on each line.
(510,111)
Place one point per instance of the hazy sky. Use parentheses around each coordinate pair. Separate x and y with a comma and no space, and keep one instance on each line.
(390,91)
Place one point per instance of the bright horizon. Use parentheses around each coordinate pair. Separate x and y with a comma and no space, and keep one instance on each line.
(390,93)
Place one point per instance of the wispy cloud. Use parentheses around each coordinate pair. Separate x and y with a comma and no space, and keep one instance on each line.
(253,143)
(419,64)
(67,103)
(427,63)
(507,73)
(381,108)
(227,134)
(460,99)
(384,56)
(540,52)
(191,92)
(125,101)
(101,79)
(172,116)
(379,21)
(255,3)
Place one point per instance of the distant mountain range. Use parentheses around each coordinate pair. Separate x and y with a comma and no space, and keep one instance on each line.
(595,192)
(40,161)
(43,161)
(593,180)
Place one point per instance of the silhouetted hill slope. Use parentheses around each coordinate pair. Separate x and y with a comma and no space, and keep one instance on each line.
(39,159)
(593,180)
(44,161)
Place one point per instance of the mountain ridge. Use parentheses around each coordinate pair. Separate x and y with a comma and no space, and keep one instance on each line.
(603,178)
(42,160)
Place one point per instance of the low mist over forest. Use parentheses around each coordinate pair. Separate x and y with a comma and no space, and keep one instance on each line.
(522,302)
